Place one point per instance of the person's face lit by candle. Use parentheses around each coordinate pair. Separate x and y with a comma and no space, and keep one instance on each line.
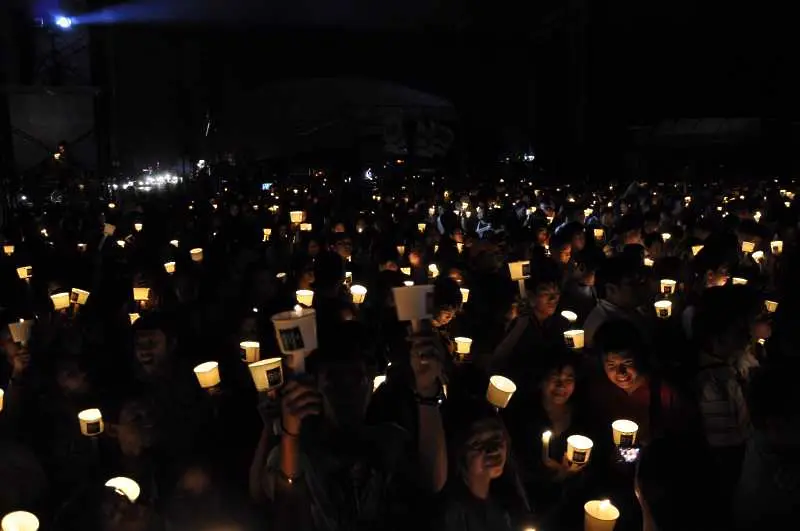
(558,386)
(152,351)
(545,300)
(17,355)
(443,316)
(485,451)
(717,277)
(458,236)
(344,247)
(621,370)
(542,236)
(414,258)
(563,253)
(339,227)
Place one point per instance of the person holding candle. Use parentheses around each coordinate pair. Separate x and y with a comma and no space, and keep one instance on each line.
(579,294)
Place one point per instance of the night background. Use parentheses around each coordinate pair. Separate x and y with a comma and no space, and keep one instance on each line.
(592,89)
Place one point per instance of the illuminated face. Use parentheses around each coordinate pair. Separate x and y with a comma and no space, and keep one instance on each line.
(486,450)
(150,347)
(559,386)
(718,277)
(621,370)
(545,301)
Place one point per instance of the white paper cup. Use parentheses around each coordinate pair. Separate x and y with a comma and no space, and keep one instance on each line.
(696,249)
(757,256)
(359,293)
(666,236)
(197,254)
(500,391)
(599,234)
(460,247)
(408,283)
(296,331)
(663,309)
(91,421)
(519,270)
(251,351)
(599,515)
(648,262)
(421,227)
(207,374)
(579,449)
(574,339)
(406,271)
(378,381)
(175,243)
(82,247)
(433,270)
(413,303)
(748,247)
(19,521)
(138,227)
(267,374)
(134,317)
(572,317)
(125,487)
(463,345)
(141,294)
(21,330)
(169,267)
(306,227)
(305,297)
(60,301)
(624,432)
(79,296)
(267,234)
(401,250)
(25,272)
(776,247)
(464,295)
(771,306)
(668,286)
(739,281)
(297,216)
(121,244)
(8,249)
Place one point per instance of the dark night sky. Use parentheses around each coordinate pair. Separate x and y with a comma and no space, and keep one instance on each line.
(505,67)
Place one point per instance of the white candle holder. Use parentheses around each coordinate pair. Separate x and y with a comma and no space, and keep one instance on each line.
(696,249)
(305,297)
(574,338)
(267,374)
(125,487)
(91,421)
(297,216)
(306,227)
(79,296)
(500,391)
(25,272)
(138,227)
(8,250)
(748,247)
(82,247)
(624,432)
(579,449)
(175,243)
(663,309)
(739,281)
(133,317)
(600,515)
(19,521)
(169,267)
(141,294)
(296,331)
(413,303)
(401,250)
(21,331)
(251,351)
(267,234)
(599,234)
(207,374)
(196,254)
(463,345)
(358,293)
(776,247)
(464,295)
(570,316)
(668,286)
(378,381)
(421,227)
(60,301)
(771,306)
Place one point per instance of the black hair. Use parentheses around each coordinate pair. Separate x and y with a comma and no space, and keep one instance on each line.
(621,335)
(543,272)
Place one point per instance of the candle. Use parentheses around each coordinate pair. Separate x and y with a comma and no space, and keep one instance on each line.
(668,286)
(267,234)
(463,345)
(207,374)
(739,281)
(134,317)
(546,444)
(758,256)
(82,247)
(138,227)
(305,297)
(141,294)
(358,293)
(174,243)
(624,432)
(406,271)
(696,249)
(587,212)
(433,269)
(60,300)
(125,487)
(21,331)
(25,272)
(519,270)
(267,374)
(600,515)
(401,250)
(464,295)
(297,216)
(251,351)
(599,233)
(776,247)
(296,332)
(665,236)
(112,206)
(574,339)
(569,316)
(748,247)
(79,296)
(771,306)
(378,381)
(169,267)
(460,247)
(500,391)
(663,309)
(19,521)
(408,283)
(91,421)
(121,243)
(436,248)
(298,310)
(648,262)
(579,449)
(305,227)
(421,227)
(197,254)
(8,249)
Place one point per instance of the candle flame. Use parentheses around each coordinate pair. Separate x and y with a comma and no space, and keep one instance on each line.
(605,504)
(298,309)
(546,435)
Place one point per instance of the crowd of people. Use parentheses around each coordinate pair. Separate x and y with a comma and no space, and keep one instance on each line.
(668,307)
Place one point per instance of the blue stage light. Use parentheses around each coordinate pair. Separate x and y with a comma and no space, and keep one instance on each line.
(63,22)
